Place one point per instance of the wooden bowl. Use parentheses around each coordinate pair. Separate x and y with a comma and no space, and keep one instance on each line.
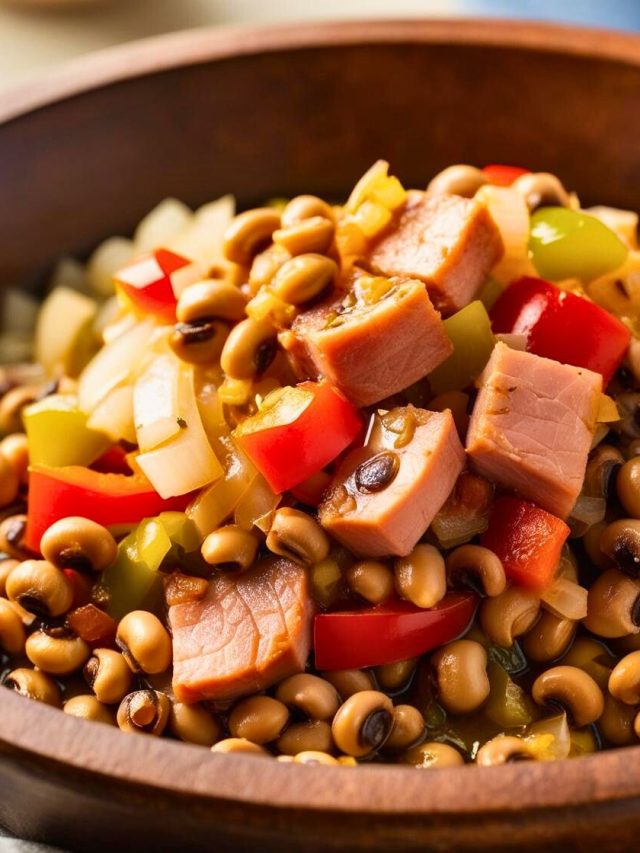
(84,154)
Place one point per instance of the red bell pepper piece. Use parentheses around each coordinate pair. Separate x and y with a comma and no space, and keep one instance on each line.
(112,461)
(527,539)
(298,432)
(389,632)
(153,282)
(501,175)
(562,326)
(93,625)
(108,499)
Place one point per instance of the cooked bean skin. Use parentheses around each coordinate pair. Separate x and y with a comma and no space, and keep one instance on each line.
(194,724)
(624,683)
(480,562)
(259,719)
(549,638)
(613,605)
(40,587)
(144,642)
(509,615)
(371,579)
(393,676)
(238,744)
(620,541)
(458,180)
(433,755)
(408,727)
(313,696)
(34,685)
(573,689)
(78,543)
(313,735)
(349,681)
(503,750)
(108,675)
(248,233)
(144,712)
(363,723)
(421,577)
(461,674)
(297,536)
(88,708)
(12,633)
(230,548)
(56,655)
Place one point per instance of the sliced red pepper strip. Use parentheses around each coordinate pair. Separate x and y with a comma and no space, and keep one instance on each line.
(562,326)
(112,461)
(108,499)
(527,539)
(153,282)
(502,175)
(297,436)
(389,632)
(93,625)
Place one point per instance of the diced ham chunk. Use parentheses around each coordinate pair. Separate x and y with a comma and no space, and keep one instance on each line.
(385,495)
(371,350)
(532,426)
(245,634)
(448,242)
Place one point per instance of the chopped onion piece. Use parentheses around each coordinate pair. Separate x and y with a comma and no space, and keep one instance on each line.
(19,311)
(511,214)
(114,364)
(565,599)
(155,402)
(202,240)
(104,263)
(167,219)
(257,503)
(549,739)
(513,340)
(186,462)
(69,272)
(114,415)
(607,410)
(589,510)
(63,331)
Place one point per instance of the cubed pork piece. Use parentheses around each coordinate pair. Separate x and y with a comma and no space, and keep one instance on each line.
(371,350)
(448,242)
(385,495)
(247,633)
(532,426)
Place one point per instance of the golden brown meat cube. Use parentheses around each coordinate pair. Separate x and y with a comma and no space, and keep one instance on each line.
(371,347)
(448,242)
(386,494)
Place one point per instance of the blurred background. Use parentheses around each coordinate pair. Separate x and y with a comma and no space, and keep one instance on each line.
(38,34)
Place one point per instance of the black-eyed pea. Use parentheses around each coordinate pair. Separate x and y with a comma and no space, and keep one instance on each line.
(199,342)
(304,278)
(34,684)
(12,633)
(395,676)
(15,450)
(211,300)
(620,541)
(144,642)
(312,735)
(408,727)
(298,537)
(248,233)
(314,757)
(314,234)
(316,698)
(458,180)
(7,565)
(303,207)
(503,749)
(144,712)
(573,689)
(363,723)
(421,576)
(9,481)
(12,535)
(11,406)
(624,681)
(613,605)
(460,671)
(79,543)
(87,707)
(194,724)
(249,349)
(108,675)
(549,638)
(372,580)
(238,745)
(350,681)
(260,719)
(41,588)
(57,651)
(507,616)
(616,722)
(479,562)
(432,755)
(230,548)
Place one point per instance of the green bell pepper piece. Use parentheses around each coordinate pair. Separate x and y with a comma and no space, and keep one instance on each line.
(567,243)
(57,433)
(490,292)
(473,342)
(508,705)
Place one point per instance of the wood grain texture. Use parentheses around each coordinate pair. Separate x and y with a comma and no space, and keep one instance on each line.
(87,152)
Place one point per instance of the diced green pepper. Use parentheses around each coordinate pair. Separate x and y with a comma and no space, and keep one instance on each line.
(567,243)
(58,435)
(473,342)
(508,705)
(490,292)
(181,530)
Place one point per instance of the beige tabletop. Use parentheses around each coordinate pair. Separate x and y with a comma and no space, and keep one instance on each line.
(35,36)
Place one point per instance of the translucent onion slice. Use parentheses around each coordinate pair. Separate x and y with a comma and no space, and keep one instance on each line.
(114,415)
(565,599)
(64,320)
(114,364)
(186,462)
(257,504)
(202,239)
(589,510)
(549,739)
(167,219)
(511,214)
(155,402)
(513,340)
(106,260)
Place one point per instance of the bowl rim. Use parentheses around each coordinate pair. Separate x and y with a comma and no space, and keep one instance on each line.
(105,753)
